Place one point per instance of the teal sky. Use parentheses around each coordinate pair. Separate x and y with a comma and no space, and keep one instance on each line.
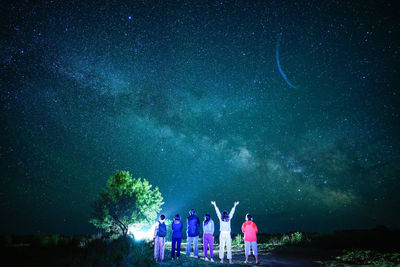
(189,96)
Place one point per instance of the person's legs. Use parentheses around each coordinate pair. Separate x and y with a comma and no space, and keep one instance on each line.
(162,247)
(246,250)
(189,245)
(222,241)
(156,248)
(178,247)
(196,246)
(229,247)
(205,245)
(211,243)
(255,251)
(173,243)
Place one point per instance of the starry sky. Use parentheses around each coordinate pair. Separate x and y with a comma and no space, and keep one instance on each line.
(290,107)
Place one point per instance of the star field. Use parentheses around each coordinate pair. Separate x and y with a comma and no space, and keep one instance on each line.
(189,96)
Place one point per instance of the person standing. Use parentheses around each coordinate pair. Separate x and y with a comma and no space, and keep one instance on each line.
(160,232)
(193,225)
(249,228)
(225,231)
(208,237)
(176,226)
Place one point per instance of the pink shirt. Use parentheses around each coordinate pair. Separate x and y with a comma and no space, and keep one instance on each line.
(250,230)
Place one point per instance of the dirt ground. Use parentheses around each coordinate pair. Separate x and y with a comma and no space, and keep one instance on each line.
(279,257)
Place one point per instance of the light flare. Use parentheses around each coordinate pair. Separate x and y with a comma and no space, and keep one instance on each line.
(141,232)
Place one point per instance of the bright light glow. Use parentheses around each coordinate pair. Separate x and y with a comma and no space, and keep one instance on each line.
(141,232)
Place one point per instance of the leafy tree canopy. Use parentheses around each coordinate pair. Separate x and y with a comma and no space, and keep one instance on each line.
(125,201)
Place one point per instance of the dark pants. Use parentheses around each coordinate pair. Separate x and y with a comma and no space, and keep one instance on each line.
(177,242)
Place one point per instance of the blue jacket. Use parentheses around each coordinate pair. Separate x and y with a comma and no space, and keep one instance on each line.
(176,227)
(193,226)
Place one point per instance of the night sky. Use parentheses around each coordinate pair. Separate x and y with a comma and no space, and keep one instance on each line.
(291,108)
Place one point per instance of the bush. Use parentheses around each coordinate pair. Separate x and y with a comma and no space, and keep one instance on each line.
(285,240)
(297,237)
(238,241)
(47,250)
(106,252)
(364,257)
(140,255)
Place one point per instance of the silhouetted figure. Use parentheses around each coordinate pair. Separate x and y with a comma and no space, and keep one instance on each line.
(193,225)
(160,232)
(176,227)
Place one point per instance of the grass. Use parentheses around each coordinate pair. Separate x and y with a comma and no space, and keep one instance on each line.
(368,257)
(361,247)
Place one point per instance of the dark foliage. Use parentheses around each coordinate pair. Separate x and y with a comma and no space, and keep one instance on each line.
(74,251)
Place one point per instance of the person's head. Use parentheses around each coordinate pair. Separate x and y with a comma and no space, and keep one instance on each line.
(249,217)
(225,216)
(192,212)
(162,217)
(207,218)
(177,217)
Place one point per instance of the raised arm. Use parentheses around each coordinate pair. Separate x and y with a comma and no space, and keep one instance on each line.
(216,209)
(233,209)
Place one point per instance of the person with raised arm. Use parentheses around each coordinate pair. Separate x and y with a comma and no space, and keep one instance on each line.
(225,231)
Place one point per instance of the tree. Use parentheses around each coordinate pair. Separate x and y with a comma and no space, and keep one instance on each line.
(125,201)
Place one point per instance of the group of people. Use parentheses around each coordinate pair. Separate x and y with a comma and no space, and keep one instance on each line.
(249,228)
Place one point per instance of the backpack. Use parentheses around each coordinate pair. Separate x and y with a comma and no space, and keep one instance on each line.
(162,230)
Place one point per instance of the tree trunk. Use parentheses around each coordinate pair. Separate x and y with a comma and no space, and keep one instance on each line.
(124,229)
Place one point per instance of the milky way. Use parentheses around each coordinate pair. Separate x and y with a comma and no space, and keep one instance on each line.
(189,96)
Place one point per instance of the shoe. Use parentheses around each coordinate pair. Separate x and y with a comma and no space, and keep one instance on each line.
(212,260)
(230,262)
(196,257)
(221,261)
(206,259)
(246,262)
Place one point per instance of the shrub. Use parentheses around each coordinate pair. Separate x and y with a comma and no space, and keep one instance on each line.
(238,241)
(101,252)
(285,240)
(364,257)
(296,238)
(140,255)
